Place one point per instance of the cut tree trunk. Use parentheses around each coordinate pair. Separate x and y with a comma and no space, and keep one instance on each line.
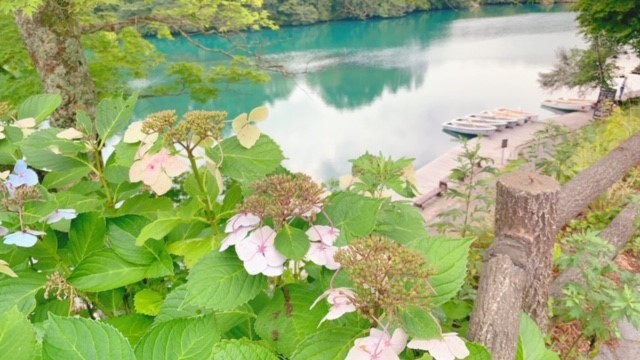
(52,37)
(512,281)
(587,186)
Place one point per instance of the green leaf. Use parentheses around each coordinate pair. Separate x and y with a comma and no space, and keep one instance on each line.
(447,258)
(17,336)
(112,115)
(328,344)
(355,215)
(55,180)
(37,148)
(477,352)
(84,122)
(132,326)
(104,270)
(219,282)
(418,323)
(241,350)
(180,339)
(79,338)
(530,340)
(20,292)
(81,203)
(157,229)
(292,242)
(287,319)
(175,306)
(245,164)
(39,107)
(146,206)
(192,250)
(148,302)
(401,222)
(86,235)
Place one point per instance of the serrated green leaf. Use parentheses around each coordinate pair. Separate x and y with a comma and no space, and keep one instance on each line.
(241,350)
(401,222)
(121,234)
(355,215)
(39,107)
(84,122)
(146,206)
(287,319)
(192,250)
(447,258)
(477,352)
(157,229)
(219,282)
(148,302)
(20,292)
(328,344)
(132,326)
(113,115)
(86,235)
(418,323)
(79,202)
(83,339)
(17,336)
(245,164)
(56,180)
(292,242)
(175,306)
(530,340)
(39,147)
(104,270)
(192,338)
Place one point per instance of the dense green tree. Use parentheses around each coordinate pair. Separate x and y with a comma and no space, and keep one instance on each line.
(618,20)
(56,34)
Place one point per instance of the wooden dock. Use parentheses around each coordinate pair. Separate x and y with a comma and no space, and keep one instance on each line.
(429,176)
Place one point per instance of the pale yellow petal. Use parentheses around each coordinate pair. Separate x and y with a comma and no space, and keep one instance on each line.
(150,138)
(239,122)
(136,170)
(174,166)
(27,131)
(25,123)
(70,134)
(409,174)
(142,150)
(248,136)
(54,149)
(161,185)
(134,133)
(5,174)
(259,114)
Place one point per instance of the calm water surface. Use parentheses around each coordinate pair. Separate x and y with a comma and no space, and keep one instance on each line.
(387,85)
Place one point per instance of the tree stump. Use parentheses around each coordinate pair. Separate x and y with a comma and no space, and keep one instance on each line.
(518,264)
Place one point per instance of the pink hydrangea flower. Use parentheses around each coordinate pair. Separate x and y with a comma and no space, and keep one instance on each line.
(341,301)
(379,345)
(238,227)
(157,170)
(449,347)
(259,254)
(321,251)
(60,214)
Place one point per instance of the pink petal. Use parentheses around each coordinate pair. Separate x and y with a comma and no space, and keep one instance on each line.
(273,270)
(337,310)
(241,219)
(161,185)
(437,348)
(234,238)
(137,169)
(357,353)
(246,249)
(326,234)
(174,166)
(273,256)
(398,340)
(456,345)
(255,265)
(316,253)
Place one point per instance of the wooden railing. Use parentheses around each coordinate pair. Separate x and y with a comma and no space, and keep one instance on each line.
(530,209)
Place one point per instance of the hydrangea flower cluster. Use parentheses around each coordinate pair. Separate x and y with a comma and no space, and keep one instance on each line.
(18,189)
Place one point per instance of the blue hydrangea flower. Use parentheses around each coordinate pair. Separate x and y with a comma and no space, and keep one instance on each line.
(23,238)
(22,175)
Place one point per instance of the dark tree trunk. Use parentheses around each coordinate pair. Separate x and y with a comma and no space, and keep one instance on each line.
(587,186)
(518,263)
(52,37)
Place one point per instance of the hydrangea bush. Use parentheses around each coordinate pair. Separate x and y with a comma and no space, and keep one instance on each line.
(165,239)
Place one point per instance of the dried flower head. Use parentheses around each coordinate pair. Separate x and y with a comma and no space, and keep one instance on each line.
(282,197)
(6,110)
(386,276)
(58,286)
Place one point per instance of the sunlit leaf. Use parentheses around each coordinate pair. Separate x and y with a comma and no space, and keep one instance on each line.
(17,336)
(328,344)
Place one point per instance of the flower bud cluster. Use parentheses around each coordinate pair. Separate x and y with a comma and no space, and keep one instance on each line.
(195,124)
(282,197)
(386,276)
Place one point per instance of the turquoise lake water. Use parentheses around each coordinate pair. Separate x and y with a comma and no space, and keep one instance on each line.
(387,85)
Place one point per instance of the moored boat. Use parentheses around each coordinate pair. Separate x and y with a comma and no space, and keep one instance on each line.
(511,122)
(519,119)
(569,104)
(469,128)
(499,124)
(505,111)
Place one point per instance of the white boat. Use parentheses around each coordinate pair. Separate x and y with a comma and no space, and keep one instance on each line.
(569,104)
(519,119)
(509,121)
(505,111)
(469,128)
(499,124)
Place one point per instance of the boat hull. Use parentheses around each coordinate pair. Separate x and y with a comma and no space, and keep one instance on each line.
(468,128)
(568,104)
